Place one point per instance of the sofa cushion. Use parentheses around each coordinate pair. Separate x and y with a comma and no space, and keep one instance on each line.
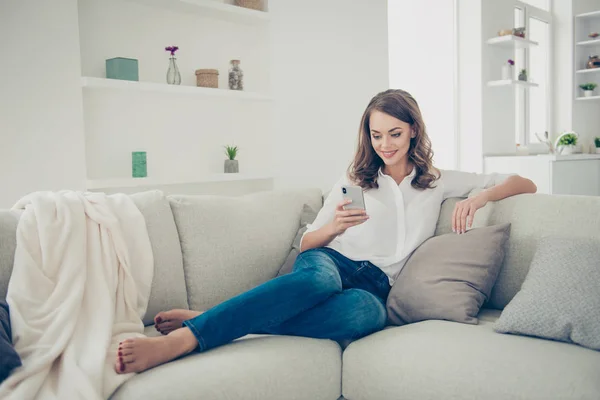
(307,217)
(168,285)
(232,244)
(560,298)
(8,243)
(9,358)
(448,360)
(531,216)
(253,367)
(449,277)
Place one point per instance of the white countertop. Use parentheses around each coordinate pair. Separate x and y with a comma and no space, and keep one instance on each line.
(552,157)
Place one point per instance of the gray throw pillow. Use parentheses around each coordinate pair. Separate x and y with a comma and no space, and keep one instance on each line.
(449,277)
(9,359)
(560,297)
(308,216)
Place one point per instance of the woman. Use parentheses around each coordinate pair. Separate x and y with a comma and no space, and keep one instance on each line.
(350,258)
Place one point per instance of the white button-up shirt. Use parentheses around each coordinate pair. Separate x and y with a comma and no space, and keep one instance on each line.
(401,217)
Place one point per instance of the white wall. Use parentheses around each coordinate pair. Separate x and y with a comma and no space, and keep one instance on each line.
(470,86)
(498,104)
(41,124)
(421,52)
(563,71)
(329,59)
(322,62)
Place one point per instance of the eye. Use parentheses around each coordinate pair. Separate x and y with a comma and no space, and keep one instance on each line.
(376,137)
(395,135)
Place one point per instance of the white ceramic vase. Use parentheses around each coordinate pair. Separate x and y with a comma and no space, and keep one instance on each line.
(588,93)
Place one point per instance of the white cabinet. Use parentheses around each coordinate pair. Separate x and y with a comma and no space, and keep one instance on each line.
(577,174)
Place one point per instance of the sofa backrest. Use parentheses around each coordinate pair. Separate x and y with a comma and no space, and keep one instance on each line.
(168,285)
(8,243)
(532,217)
(232,244)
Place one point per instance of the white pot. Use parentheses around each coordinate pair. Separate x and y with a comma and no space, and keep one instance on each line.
(588,93)
(597,150)
(507,73)
(564,150)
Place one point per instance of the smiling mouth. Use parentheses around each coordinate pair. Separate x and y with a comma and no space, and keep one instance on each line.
(388,154)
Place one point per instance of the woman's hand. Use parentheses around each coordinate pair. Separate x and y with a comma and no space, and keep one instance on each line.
(464,212)
(345,219)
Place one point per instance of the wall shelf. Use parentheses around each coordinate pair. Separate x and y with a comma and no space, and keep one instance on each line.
(116,84)
(588,98)
(511,41)
(593,14)
(594,42)
(95,184)
(210,8)
(513,82)
(587,71)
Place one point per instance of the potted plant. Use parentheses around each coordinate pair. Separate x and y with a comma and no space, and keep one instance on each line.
(597,143)
(567,143)
(231,164)
(523,75)
(507,70)
(588,89)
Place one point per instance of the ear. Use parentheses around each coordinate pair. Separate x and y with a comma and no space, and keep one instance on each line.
(413,134)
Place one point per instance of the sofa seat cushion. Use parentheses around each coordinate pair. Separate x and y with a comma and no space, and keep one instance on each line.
(257,367)
(448,360)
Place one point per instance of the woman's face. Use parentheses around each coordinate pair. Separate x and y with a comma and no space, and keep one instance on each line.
(390,137)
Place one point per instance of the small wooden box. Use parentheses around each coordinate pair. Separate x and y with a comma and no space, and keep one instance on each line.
(207,78)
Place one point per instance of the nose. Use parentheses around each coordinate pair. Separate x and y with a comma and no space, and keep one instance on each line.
(385,141)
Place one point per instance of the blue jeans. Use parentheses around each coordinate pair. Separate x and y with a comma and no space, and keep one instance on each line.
(326,296)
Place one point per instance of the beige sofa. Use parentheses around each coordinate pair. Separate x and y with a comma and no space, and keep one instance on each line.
(209,248)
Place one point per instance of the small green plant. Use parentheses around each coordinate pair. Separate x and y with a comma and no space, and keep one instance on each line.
(570,139)
(588,86)
(597,141)
(231,152)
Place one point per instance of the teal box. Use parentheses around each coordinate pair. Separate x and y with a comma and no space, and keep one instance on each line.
(122,68)
(139,168)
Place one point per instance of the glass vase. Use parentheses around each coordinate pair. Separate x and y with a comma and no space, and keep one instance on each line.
(173,75)
(236,76)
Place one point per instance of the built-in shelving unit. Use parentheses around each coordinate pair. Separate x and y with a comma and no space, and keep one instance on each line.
(183,128)
(586,45)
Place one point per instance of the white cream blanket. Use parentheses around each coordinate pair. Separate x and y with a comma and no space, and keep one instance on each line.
(80,285)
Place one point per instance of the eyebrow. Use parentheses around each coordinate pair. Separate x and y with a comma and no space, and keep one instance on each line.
(391,130)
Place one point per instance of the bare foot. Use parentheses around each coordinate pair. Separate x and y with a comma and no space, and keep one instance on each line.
(167,321)
(140,354)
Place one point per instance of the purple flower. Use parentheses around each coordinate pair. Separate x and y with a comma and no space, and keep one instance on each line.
(511,62)
(172,49)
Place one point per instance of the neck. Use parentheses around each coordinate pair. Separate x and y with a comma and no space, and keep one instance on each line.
(399,171)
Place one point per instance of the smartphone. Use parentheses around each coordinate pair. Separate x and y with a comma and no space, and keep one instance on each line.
(354,193)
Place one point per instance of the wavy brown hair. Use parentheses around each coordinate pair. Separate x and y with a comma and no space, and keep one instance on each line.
(401,105)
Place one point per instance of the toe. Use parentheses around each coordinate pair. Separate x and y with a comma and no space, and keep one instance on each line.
(160,317)
(128,359)
(124,352)
(126,344)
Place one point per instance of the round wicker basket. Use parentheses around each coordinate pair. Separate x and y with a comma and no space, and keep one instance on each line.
(253,4)
(207,78)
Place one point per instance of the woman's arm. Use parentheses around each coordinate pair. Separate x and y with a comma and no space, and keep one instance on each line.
(342,220)
(464,211)
(513,185)
(319,238)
